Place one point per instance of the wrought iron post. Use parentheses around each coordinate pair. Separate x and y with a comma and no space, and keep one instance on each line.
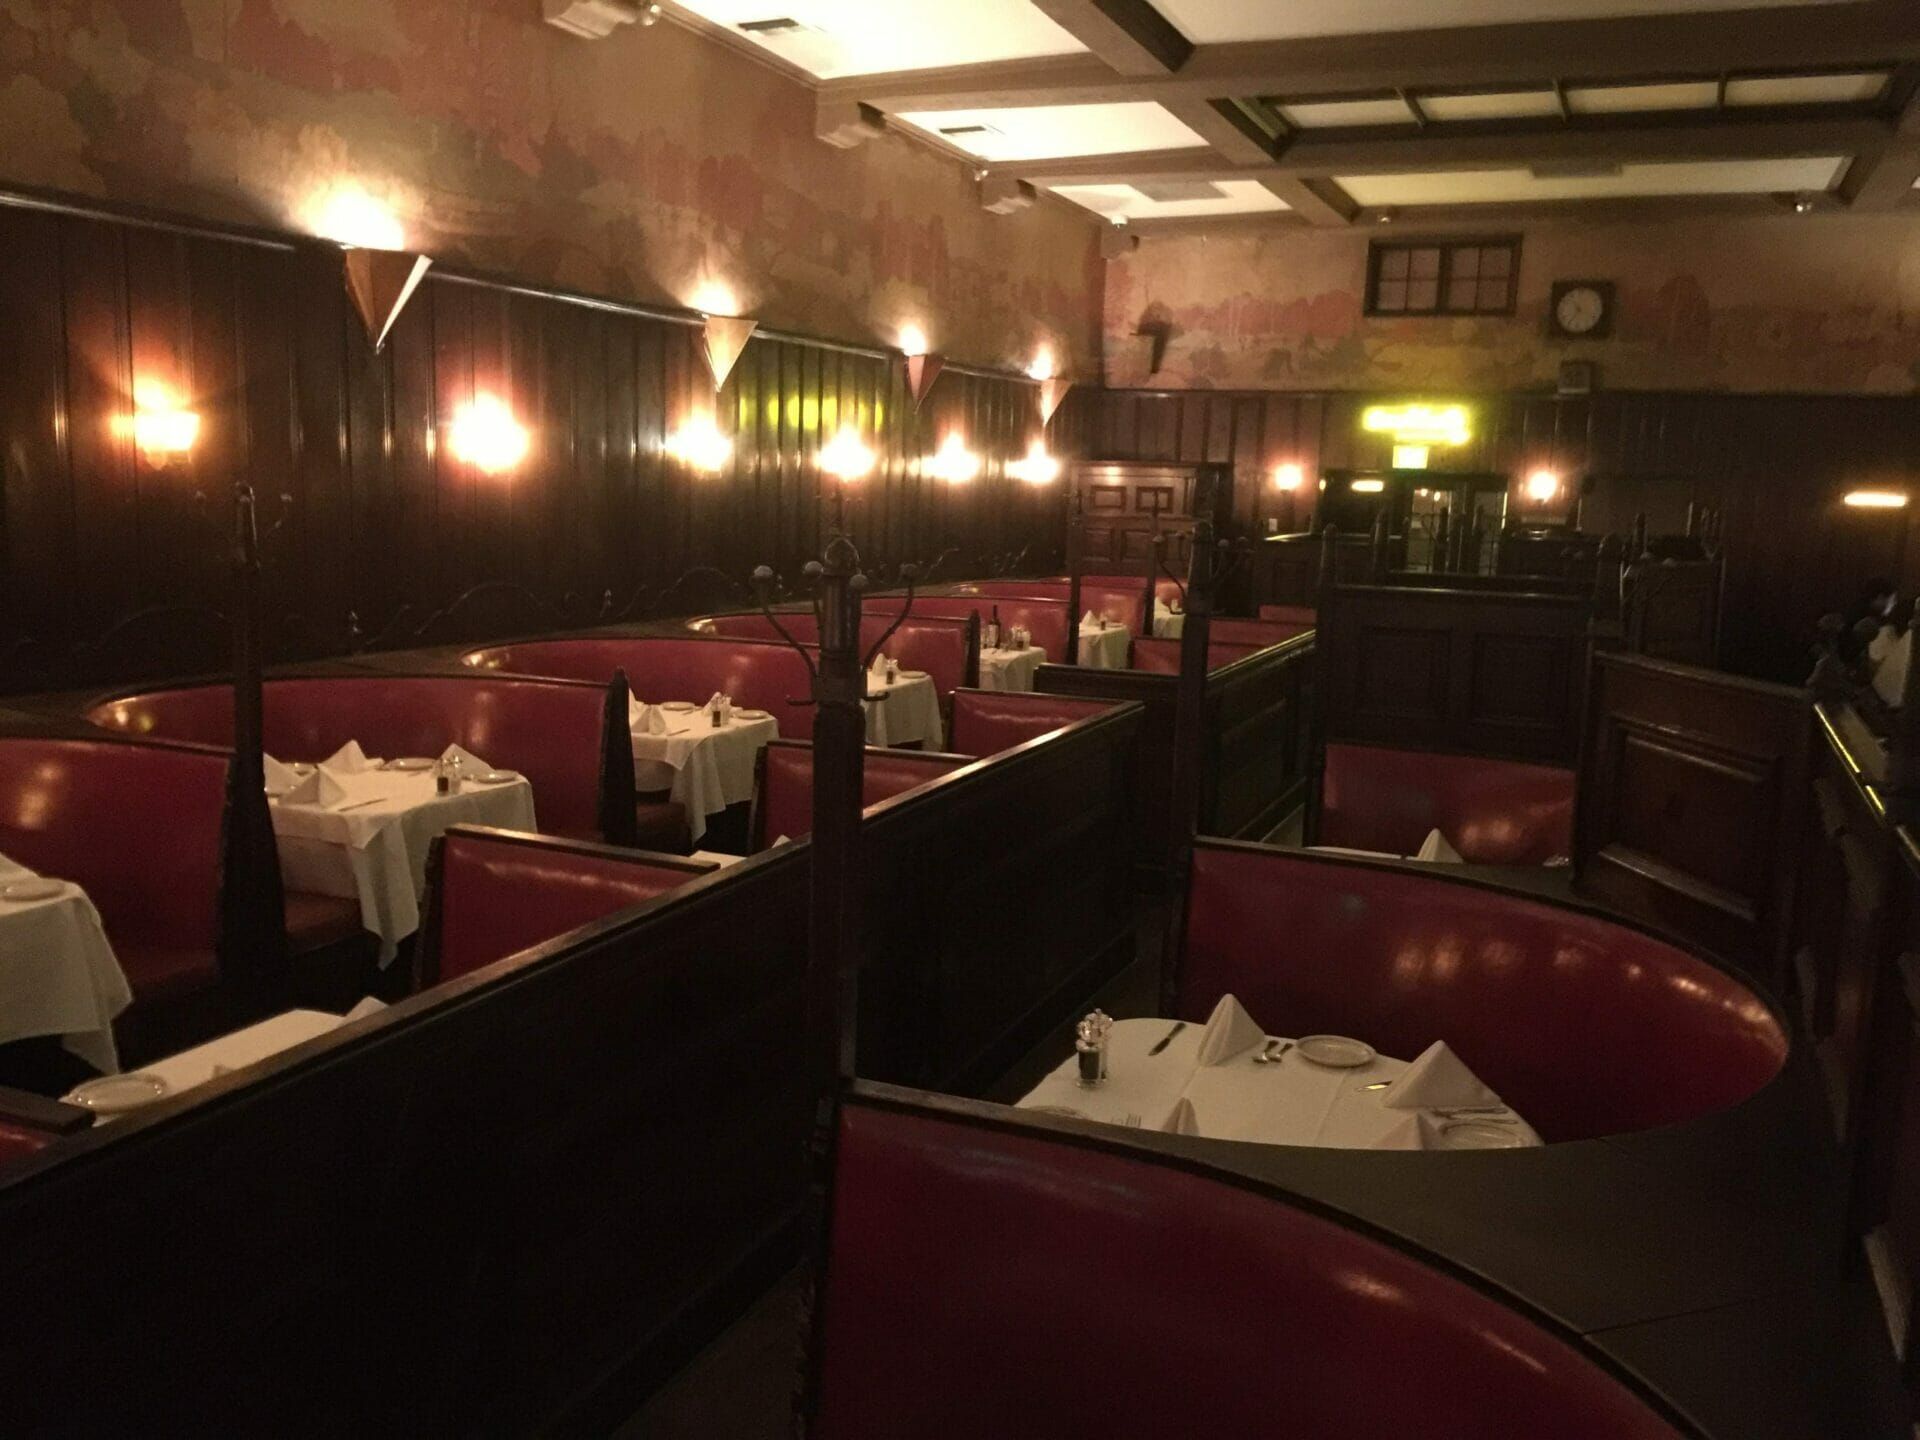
(1189,744)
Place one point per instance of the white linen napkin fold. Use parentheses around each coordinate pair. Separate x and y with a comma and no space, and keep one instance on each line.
(280,778)
(470,763)
(1437,1078)
(371,1005)
(1089,621)
(349,759)
(1181,1120)
(1230,1031)
(321,788)
(645,719)
(1438,850)
(1410,1132)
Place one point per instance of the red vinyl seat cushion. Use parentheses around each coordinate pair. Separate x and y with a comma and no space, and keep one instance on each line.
(988,1282)
(1045,618)
(985,722)
(17,1142)
(162,972)
(1232,630)
(1121,599)
(1162,657)
(1585,1027)
(1303,615)
(784,802)
(1493,812)
(937,646)
(317,921)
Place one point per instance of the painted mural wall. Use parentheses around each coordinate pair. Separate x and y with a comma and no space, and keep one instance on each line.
(1822,305)
(640,167)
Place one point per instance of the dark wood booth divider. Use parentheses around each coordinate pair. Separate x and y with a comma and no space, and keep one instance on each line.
(783,785)
(985,722)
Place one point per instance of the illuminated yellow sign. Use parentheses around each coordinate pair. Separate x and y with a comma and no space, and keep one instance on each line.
(1410,457)
(1419,424)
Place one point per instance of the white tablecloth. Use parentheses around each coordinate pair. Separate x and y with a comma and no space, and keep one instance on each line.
(1010,669)
(372,846)
(1168,624)
(704,768)
(58,975)
(1106,649)
(909,715)
(1293,1103)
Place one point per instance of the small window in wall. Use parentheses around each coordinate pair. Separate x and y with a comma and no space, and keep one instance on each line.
(1442,277)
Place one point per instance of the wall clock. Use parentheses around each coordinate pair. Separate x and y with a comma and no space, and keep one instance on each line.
(1581,309)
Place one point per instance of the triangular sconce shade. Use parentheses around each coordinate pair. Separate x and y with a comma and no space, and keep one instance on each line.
(922,371)
(727,336)
(380,282)
(1052,392)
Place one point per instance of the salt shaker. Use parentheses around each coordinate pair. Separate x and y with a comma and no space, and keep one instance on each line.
(442,777)
(1090,1047)
(893,671)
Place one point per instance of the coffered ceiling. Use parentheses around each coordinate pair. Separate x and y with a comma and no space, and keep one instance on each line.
(1176,113)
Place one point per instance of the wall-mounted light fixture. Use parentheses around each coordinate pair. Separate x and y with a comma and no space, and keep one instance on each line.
(1037,468)
(923,366)
(846,457)
(1543,486)
(163,428)
(953,462)
(1289,476)
(485,435)
(1042,366)
(1368,487)
(1877,499)
(381,273)
(699,445)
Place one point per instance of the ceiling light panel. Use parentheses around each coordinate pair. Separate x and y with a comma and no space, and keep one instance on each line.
(1211,22)
(1855,88)
(1339,114)
(1702,177)
(1236,197)
(1043,132)
(865,37)
(1498,105)
(1643,99)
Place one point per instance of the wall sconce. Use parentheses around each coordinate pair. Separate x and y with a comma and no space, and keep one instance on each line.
(954,462)
(1542,486)
(485,435)
(846,458)
(700,446)
(381,273)
(923,367)
(1877,499)
(163,429)
(1289,477)
(1368,487)
(1041,367)
(1038,468)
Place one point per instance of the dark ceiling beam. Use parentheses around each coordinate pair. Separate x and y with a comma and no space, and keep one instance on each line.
(1129,36)
(1714,138)
(1233,134)
(1860,32)
(1318,202)
(1884,180)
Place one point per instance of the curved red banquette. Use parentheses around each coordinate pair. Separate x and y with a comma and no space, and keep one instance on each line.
(555,734)
(1124,603)
(989,1276)
(1586,1026)
(948,650)
(985,722)
(1045,619)
(783,789)
(758,674)
(1162,657)
(1493,812)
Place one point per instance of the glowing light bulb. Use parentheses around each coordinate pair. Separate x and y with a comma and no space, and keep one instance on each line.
(700,446)
(913,340)
(846,457)
(485,435)
(162,426)
(1542,486)
(954,462)
(1289,476)
(714,297)
(348,215)
(1042,366)
(1876,499)
(1038,468)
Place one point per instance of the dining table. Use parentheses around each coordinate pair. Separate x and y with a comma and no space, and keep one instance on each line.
(58,974)
(1105,647)
(705,767)
(370,841)
(1263,1089)
(1168,623)
(904,710)
(1010,669)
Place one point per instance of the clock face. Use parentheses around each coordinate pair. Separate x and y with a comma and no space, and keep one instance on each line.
(1580,310)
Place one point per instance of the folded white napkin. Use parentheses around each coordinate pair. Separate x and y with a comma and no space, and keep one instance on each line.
(1181,1120)
(470,763)
(725,702)
(1438,850)
(1437,1078)
(879,666)
(349,759)
(280,778)
(321,788)
(1409,1132)
(1890,670)
(1089,621)
(1230,1031)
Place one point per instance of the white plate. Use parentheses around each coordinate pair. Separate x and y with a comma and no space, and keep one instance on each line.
(496,777)
(1336,1052)
(409,762)
(117,1094)
(751,715)
(35,889)
(913,674)
(679,706)
(1480,1135)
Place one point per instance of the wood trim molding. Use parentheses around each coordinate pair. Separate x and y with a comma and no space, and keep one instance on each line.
(1131,36)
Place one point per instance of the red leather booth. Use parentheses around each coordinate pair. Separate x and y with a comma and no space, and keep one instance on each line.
(1493,812)
(498,892)
(985,722)
(1046,619)
(1123,601)
(1302,615)
(1162,657)
(1584,1026)
(783,787)
(555,733)
(1232,630)
(758,674)
(948,650)
(1165,591)
(989,1278)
